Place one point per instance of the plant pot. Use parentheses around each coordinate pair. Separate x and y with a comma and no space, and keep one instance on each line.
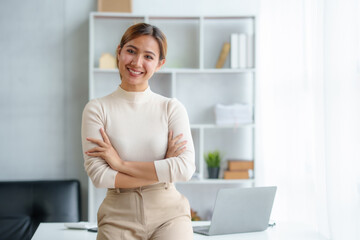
(213,172)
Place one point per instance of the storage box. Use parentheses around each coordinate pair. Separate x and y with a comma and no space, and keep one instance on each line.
(115,6)
(235,165)
(233,114)
(244,174)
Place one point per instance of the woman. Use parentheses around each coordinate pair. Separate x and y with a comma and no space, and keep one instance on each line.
(129,147)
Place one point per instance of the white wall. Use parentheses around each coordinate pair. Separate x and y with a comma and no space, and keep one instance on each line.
(44,80)
(196,7)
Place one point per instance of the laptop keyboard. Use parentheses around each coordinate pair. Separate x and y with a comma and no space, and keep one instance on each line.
(202,229)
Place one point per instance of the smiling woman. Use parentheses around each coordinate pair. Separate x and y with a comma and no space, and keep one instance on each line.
(129,147)
(141,52)
(137,62)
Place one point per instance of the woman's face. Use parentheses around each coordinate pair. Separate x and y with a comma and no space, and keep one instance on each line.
(138,61)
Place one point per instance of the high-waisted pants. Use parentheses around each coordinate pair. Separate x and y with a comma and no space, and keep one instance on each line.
(154,212)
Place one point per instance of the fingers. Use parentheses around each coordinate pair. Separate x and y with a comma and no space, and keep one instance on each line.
(180,151)
(175,145)
(178,137)
(180,148)
(104,136)
(102,143)
(172,140)
(95,154)
(180,144)
(170,136)
(95,149)
(97,141)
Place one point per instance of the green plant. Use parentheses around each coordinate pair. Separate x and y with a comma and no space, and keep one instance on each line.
(213,159)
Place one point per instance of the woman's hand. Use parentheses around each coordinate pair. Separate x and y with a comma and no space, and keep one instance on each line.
(175,148)
(106,151)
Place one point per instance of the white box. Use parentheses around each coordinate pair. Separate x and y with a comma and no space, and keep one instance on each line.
(233,114)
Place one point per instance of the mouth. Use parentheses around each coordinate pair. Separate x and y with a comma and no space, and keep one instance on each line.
(134,72)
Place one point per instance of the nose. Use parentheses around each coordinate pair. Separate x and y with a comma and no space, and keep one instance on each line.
(136,61)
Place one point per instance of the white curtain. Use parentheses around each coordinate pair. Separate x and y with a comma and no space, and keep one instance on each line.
(309,112)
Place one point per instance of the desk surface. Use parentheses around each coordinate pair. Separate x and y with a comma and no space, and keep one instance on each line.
(286,231)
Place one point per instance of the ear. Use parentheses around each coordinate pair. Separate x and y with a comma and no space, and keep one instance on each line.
(117,57)
(118,49)
(161,63)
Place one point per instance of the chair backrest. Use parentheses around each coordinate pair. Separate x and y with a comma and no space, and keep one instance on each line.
(25,204)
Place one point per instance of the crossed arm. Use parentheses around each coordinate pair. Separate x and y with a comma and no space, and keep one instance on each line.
(132,174)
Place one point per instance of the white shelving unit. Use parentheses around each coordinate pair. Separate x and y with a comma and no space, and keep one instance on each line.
(189,74)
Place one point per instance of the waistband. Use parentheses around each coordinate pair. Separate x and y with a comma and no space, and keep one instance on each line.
(155,186)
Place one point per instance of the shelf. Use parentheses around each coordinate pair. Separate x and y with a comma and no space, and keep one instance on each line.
(99,70)
(209,70)
(187,70)
(211,126)
(189,75)
(167,17)
(219,181)
(114,15)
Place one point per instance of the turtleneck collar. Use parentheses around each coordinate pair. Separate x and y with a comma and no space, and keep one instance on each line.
(134,97)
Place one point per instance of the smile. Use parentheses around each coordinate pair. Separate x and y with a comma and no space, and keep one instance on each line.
(134,72)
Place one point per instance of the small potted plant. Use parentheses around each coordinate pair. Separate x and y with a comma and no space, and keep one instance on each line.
(213,160)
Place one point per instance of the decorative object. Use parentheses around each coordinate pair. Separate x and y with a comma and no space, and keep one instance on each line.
(223,55)
(213,160)
(194,216)
(107,61)
(239,169)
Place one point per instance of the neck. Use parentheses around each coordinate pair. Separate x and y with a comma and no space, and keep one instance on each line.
(134,88)
(134,96)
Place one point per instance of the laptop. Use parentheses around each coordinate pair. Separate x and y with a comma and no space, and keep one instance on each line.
(239,210)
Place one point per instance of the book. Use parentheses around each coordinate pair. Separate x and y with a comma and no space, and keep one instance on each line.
(250,50)
(238,165)
(242,58)
(223,55)
(234,55)
(244,174)
(242,50)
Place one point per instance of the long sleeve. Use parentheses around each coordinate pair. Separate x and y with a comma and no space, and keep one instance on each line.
(97,169)
(179,168)
(137,124)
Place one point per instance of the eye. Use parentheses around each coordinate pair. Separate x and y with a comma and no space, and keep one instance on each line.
(129,50)
(149,57)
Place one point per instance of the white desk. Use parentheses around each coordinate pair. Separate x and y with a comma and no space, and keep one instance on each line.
(57,231)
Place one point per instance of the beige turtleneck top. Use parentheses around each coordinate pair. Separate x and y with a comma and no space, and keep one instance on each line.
(137,124)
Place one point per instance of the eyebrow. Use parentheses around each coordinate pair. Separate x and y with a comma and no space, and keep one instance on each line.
(150,52)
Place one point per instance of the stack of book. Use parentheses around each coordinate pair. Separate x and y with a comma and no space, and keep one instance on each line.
(239,169)
(241,53)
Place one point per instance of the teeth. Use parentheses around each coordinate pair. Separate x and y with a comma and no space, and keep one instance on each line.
(135,72)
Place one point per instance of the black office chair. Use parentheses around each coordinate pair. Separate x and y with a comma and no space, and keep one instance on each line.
(25,204)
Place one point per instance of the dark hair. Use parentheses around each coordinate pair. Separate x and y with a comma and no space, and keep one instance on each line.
(144,29)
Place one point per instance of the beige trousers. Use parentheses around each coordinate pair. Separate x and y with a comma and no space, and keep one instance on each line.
(155,212)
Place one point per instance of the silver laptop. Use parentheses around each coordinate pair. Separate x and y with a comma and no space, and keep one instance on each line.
(239,210)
